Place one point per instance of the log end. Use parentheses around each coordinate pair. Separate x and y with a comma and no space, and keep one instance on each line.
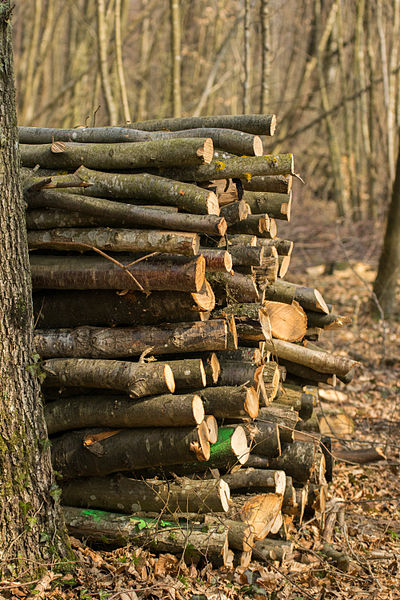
(222,226)
(203,452)
(251,403)
(215,367)
(258,147)
(271,127)
(169,378)
(198,409)
(273,229)
(224,494)
(205,298)
(206,151)
(284,263)
(239,445)
(320,303)
(200,273)
(212,204)
(212,425)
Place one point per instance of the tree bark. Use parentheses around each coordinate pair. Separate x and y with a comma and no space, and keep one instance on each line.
(256,479)
(114,528)
(275,205)
(97,342)
(280,184)
(255,124)
(148,188)
(125,155)
(108,308)
(115,240)
(235,212)
(100,273)
(136,379)
(132,495)
(230,401)
(118,411)
(88,452)
(29,507)
(100,211)
(388,273)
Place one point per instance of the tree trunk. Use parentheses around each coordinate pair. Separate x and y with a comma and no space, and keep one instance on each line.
(29,509)
(176,58)
(256,124)
(389,262)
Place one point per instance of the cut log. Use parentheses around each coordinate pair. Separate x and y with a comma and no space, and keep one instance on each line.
(230,140)
(188,373)
(281,184)
(329,322)
(284,263)
(284,416)
(256,479)
(362,456)
(136,379)
(149,188)
(132,495)
(319,361)
(230,401)
(275,550)
(64,308)
(115,240)
(252,355)
(235,212)
(217,261)
(283,247)
(212,368)
(100,211)
(275,205)
(240,239)
(288,321)
(256,124)
(116,411)
(97,342)
(271,377)
(240,373)
(98,272)
(236,287)
(252,225)
(264,438)
(308,298)
(123,156)
(234,167)
(117,529)
(260,512)
(298,460)
(305,375)
(88,452)
(247,256)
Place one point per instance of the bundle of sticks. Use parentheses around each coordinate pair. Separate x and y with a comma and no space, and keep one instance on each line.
(179,367)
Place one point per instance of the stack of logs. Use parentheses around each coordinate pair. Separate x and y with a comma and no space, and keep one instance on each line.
(179,368)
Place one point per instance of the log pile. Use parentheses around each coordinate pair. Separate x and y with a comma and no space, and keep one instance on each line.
(180,369)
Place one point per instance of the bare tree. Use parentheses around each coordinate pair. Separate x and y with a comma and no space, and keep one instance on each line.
(31,527)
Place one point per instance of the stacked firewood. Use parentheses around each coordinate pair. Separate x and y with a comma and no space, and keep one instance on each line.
(179,367)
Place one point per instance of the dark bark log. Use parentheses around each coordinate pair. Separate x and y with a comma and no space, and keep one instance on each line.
(252,225)
(361,457)
(76,308)
(28,506)
(297,460)
(234,167)
(252,355)
(89,453)
(96,342)
(256,479)
(240,239)
(275,550)
(149,188)
(139,155)
(265,438)
(330,321)
(230,401)
(284,416)
(132,495)
(119,412)
(116,529)
(188,373)
(100,211)
(136,379)
(280,184)
(233,287)
(235,372)
(98,272)
(115,240)
(306,374)
(275,205)
(235,212)
(256,124)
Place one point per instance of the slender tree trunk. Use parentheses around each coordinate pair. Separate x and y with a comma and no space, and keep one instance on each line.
(389,262)
(176,57)
(102,39)
(30,520)
(246,58)
(265,56)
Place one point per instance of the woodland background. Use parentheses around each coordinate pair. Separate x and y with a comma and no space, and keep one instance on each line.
(328,68)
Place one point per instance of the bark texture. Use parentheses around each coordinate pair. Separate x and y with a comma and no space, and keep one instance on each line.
(27,506)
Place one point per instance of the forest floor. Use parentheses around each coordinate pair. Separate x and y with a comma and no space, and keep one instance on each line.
(340,261)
